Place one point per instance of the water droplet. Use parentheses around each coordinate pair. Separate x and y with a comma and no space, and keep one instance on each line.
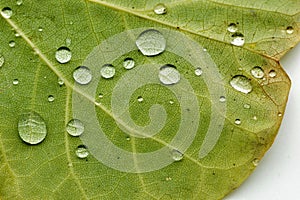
(241,84)
(6,12)
(32,128)
(237,121)
(19,2)
(160,9)
(17,34)
(198,72)
(60,81)
(2,60)
(255,162)
(168,75)
(255,118)
(238,39)
(75,127)
(279,114)
(40,29)
(100,95)
(82,75)
(128,138)
(289,30)
(63,55)
(257,72)
(15,82)
(51,98)
(168,179)
(140,99)
(12,43)
(247,106)
(222,99)
(171,102)
(107,71)
(232,28)
(128,63)
(68,41)
(151,42)
(176,155)
(82,151)
(272,73)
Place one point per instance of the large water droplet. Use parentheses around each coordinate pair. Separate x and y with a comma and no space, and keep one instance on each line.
(63,55)
(289,30)
(128,63)
(107,71)
(238,39)
(232,28)
(6,12)
(257,72)
(272,73)
(2,60)
(160,9)
(198,72)
(168,75)
(241,84)
(75,127)
(176,155)
(32,128)
(82,151)
(82,75)
(151,42)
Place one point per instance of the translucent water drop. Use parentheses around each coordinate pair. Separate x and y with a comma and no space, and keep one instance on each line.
(151,42)
(247,106)
(17,34)
(255,162)
(6,12)
(272,73)
(237,121)
(100,95)
(176,155)
(257,72)
(128,63)
(232,28)
(289,30)
(40,29)
(60,81)
(19,2)
(198,72)
(140,99)
(108,71)
(238,39)
(51,98)
(171,102)
(160,9)
(32,128)
(15,82)
(81,151)
(222,99)
(63,55)
(169,75)
(255,117)
(12,43)
(82,75)
(75,127)
(241,84)
(2,60)
(279,114)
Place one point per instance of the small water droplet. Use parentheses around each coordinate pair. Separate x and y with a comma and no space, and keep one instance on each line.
(128,138)
(169,75)
(198,72)
(12,43)
(160,9)
(81,151)
(17,35)
(257,72)
(2,60)
(128,63)
(6,12)
(75,127)
(168,179)
(289,30)
(241,84)
(108,71)
(255,162)
(279,114)
(176,155)
(51,98)
(232,28)
(68,41)
(19,2)
(60,81)
(100,95)
(171,102)
(237,121)
(82,75)
(32,128)
(140,99)
(272,73)
(40,29)
(247,106)
(151,42)
(222,99)
(238,39)
(15,82)
(63,55)
(255,118)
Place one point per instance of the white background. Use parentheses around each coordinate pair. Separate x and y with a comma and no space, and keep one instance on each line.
(278,175)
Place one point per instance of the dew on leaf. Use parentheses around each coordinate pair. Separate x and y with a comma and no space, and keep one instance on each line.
(257,72)
(19,2)
(60,81)
(140,99)
(160,9)
(255,162)
(6,12)
(2,60)
(51,98)
(171,102)
(241,84)
(151,42)
(198,72)
(238,39)
(81,151)
(17,34)
(247,106)
(272,73)
(63,55)
(107,71)
(222,99)
(289,30)
(68,41)
(82,75)
(15,82)
(169,75)
(12,43)
(100,95)
(237,121)
(32,128)
(75,127)
(176,155)
(40,29)
(232,28)
(128,63)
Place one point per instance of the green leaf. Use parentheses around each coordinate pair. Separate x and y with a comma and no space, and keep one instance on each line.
(200,105)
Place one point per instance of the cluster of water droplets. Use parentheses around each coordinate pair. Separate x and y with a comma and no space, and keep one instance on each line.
(237,38)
